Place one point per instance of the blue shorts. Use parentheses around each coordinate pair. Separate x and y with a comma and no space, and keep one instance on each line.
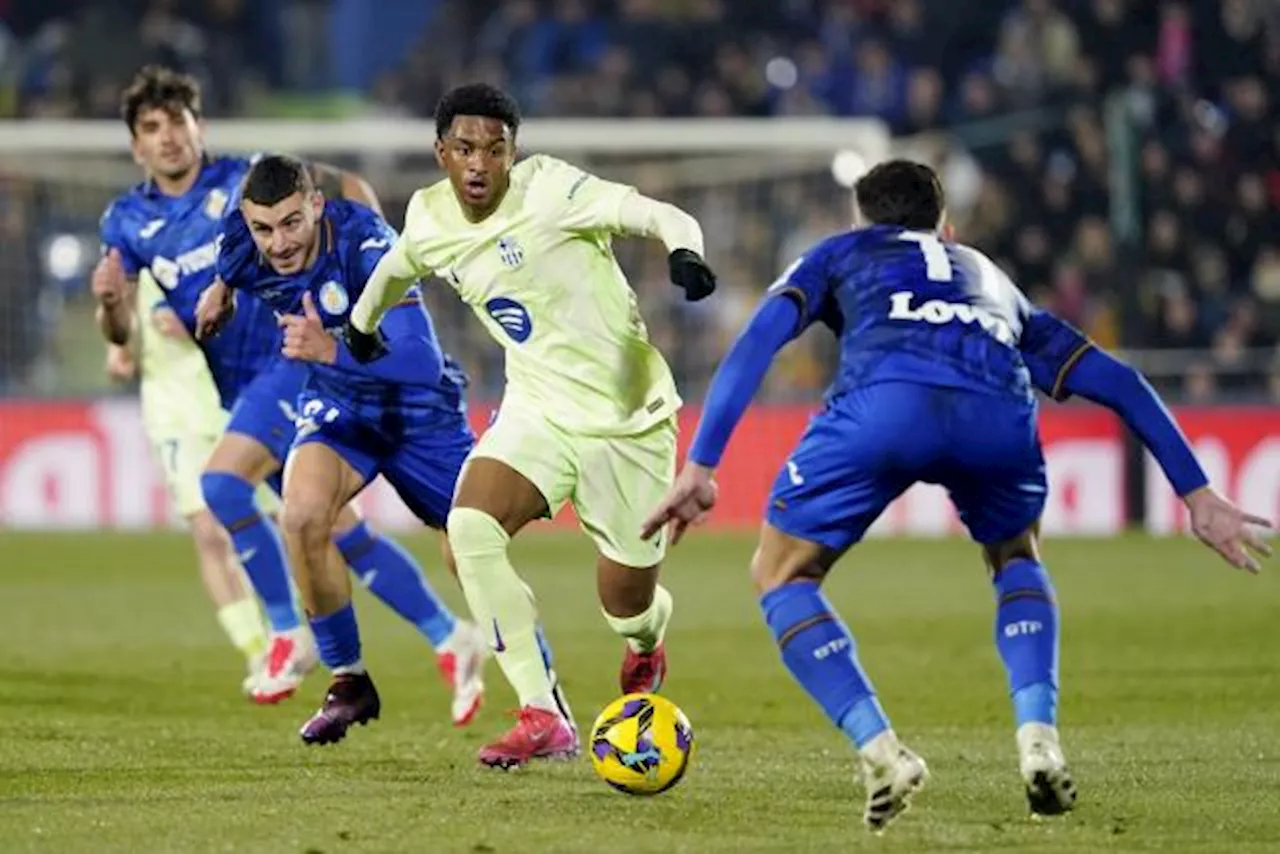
(268,407)
(869,445)
(419,453)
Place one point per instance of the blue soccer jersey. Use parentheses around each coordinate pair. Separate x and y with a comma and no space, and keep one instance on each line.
(939,354)
(174,237)
(403,415)
(909,306)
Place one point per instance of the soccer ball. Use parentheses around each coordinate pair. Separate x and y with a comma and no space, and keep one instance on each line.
(641,744)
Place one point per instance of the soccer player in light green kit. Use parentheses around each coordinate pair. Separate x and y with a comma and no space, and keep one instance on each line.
(589,411)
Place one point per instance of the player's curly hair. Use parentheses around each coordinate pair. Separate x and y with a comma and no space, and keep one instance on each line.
(476,99)
(901,192)
(158,87)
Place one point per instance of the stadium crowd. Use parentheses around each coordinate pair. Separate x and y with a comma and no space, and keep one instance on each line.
(1118,157)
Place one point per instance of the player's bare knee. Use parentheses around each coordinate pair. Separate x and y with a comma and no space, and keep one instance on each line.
(769,572)
(780,559)
(306,521)
(496,489)
(625,590)
(1024,546)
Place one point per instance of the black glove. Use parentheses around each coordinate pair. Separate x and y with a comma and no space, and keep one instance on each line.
(364,346)
(691,274)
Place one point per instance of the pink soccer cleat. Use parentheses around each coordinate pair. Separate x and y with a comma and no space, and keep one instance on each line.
(538,734)
(642,673)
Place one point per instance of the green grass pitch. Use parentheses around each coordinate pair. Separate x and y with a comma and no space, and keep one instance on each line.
(123,730)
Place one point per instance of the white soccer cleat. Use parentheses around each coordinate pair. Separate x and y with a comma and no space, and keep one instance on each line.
(891,774)
(1050,789)
(461,661)
(290,657)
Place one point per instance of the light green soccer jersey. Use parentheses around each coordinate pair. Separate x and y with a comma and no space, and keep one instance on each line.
(541,275)
(178,393)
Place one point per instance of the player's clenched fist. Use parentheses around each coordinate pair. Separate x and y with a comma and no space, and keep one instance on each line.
(691,274)
(109,283)
(121,367)
(305,337)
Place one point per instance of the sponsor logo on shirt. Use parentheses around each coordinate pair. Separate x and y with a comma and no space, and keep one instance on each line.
(512,317)
(166,272)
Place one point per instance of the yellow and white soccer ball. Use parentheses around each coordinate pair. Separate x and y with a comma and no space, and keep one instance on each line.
(641,744)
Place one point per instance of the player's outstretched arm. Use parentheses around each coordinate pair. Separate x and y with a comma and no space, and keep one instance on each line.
(736,381)
(1220,524)
(338,183)
(680,233)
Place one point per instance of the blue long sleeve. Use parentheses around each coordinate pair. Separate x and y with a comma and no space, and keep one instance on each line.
(412,357)
(775,322)
(1099,377)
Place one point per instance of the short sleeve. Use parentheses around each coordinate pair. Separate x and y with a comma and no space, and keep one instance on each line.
(581,201)
(236,251)
(808,283)
(1050,347)
(112,231)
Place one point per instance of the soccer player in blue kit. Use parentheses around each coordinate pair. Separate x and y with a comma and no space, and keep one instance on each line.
(168,225)
(940,356)
(399,413)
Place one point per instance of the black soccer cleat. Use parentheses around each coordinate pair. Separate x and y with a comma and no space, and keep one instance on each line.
(351,699)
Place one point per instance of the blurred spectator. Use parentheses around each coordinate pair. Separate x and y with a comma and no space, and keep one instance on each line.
(1196,265)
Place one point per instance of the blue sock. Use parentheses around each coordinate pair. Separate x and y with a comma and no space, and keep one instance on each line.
(395,577)
(1027,638)
(257,543)
(337,637)
(820,653)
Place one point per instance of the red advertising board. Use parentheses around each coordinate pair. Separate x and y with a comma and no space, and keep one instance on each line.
(87,464)
(1239,448)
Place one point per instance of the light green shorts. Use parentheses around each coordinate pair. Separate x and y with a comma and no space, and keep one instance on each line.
(612,482)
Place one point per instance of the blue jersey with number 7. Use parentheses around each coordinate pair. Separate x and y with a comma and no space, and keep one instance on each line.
(910,306)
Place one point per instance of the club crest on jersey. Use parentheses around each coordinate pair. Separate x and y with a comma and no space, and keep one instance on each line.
(333,298)
(510,252)
(215,204)
(512,317)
